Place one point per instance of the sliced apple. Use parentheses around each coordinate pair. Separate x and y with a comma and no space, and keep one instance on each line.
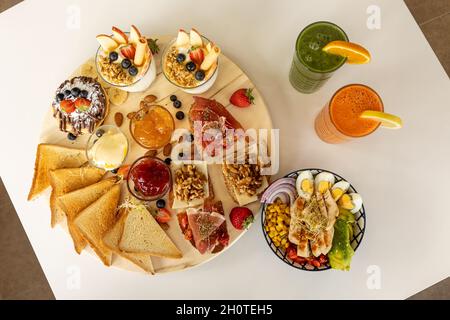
(141,49)
(182,38)
(210,58)
(195,38)
(119,36)
(208,47)
(135,35)
(107,42)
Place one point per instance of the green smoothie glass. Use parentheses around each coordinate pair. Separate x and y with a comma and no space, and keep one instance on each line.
(312,67)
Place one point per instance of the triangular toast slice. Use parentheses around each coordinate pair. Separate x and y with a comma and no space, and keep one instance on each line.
(74,202)
(142,234)
(112,239)
(67,180)
(94,221)
(50,157)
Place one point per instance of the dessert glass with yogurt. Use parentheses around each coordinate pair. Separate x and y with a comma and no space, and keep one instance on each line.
(124,60)
(190,62)
(107,148)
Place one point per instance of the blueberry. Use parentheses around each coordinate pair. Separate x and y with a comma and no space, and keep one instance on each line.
(177,104)
(99,133)
(59,97)
(67,93)
(173,98)
(160,203)
(180,57)
(190,66)
(84,93)
(75,92)
(71,136)
(199,75)
(133,71)
(113,56)
(115,170)
(179,115)
(168,161)
(126,63)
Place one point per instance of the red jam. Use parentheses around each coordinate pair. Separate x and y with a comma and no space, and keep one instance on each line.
(151,177)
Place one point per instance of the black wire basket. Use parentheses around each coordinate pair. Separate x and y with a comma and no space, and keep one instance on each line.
(359,226)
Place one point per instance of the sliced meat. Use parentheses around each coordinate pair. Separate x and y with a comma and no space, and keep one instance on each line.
(295,228)
(332,209)
(207,110)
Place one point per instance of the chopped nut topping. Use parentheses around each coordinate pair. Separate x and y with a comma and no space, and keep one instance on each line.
(189,183)
(246,178)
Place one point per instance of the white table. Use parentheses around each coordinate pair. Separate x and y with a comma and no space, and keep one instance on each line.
(403,175)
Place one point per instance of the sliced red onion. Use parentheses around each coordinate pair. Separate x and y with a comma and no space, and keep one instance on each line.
(283,188)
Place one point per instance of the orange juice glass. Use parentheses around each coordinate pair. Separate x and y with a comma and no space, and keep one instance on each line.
(339,121)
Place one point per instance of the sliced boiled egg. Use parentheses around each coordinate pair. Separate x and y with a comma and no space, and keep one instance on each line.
(338,189)
(351,201)
(305,184)
(324,181)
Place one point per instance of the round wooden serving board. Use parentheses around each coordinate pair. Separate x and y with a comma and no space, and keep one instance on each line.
(230,78)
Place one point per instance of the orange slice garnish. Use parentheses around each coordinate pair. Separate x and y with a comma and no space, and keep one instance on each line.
(354,53)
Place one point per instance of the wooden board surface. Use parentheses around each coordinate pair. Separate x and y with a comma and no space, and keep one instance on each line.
(230,78)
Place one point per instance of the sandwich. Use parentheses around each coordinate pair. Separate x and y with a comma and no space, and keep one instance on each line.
(51,157)
(205,228)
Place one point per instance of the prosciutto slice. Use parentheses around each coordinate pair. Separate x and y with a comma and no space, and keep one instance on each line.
(206,228)
(206,110)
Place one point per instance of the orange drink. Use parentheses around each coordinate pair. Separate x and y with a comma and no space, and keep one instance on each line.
(340,120)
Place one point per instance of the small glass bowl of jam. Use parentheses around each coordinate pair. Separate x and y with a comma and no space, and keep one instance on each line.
(149,178)
(152,127)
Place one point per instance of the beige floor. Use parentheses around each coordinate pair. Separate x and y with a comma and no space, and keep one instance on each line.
(21,276)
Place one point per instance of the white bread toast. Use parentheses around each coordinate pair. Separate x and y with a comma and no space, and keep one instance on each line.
(74,202)
(112,239)
(94,221)
(50,157)
(67,180)
(142,234)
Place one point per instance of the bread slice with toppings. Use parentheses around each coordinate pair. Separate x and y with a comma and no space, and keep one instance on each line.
(94,221)
(51,157)
(67,180)
(74,202)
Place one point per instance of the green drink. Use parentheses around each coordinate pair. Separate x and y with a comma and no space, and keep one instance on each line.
(312,67)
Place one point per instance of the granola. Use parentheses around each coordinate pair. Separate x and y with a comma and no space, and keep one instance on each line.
(113,72)
(189,183)
(177,71)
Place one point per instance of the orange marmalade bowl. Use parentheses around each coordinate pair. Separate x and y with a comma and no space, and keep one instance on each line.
(152,127)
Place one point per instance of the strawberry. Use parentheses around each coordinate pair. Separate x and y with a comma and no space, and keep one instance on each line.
(242,98)
(67,106)
(197,55)
(123,171)
(128,51)
(241,217)
(163,215)
(82,104)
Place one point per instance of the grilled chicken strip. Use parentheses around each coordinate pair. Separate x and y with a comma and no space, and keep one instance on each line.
(295,228)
